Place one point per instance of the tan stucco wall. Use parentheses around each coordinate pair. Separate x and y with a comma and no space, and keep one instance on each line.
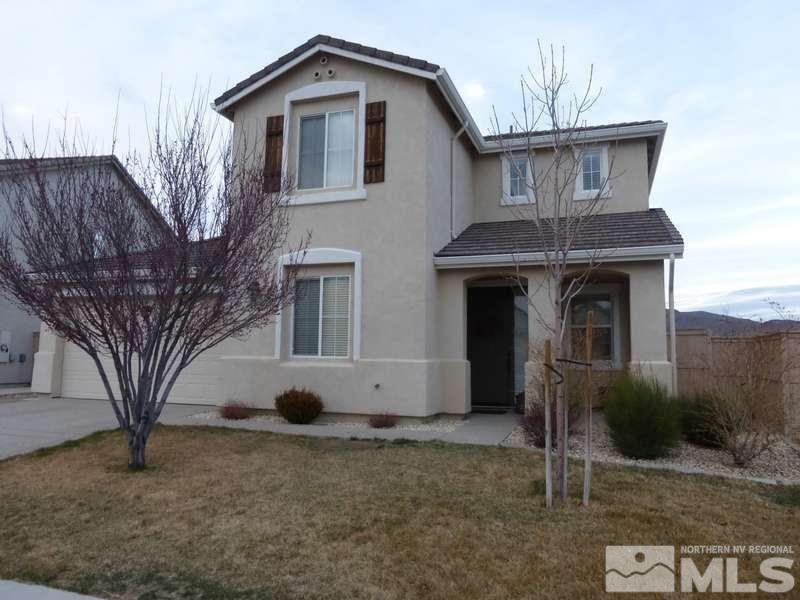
(628,181)
(392,229)
(378,227)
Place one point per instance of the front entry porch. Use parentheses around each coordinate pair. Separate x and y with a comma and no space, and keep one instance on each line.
(499,333)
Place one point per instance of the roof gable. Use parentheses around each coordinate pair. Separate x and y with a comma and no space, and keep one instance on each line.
(325,43)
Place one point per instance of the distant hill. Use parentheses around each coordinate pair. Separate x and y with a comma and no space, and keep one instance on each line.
(726,325)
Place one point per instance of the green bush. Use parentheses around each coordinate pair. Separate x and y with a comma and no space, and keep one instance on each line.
(299,406)
(644,421)
(698,422)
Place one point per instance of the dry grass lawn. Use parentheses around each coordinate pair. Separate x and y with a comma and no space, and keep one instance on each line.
(234,514)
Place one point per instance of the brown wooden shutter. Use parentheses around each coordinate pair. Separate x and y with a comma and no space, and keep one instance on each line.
(273,154)
(375,146)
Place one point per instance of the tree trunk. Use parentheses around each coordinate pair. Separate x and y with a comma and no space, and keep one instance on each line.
(548,428)
(587,466)
(560,408)
(563,476)
(137,441)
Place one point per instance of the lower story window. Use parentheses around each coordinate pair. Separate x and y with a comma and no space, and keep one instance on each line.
(322,317)
(602,326)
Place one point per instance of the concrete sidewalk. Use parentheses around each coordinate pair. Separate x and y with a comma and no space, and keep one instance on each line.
(12,590)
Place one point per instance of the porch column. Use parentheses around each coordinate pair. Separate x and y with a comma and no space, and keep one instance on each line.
(451,340)
(538,332)
(48,363)
(648,322)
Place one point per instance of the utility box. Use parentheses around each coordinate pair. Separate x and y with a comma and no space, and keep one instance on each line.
(5,346)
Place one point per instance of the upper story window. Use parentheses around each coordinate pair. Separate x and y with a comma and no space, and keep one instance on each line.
(322,317)
(517,180)
(519,175)
(326,150)
(592,176)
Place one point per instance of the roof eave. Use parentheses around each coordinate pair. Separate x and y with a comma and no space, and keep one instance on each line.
(459,108)
(589,136)
(636,253)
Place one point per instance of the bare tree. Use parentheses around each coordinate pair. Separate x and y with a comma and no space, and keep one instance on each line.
(551,111)
(745,410)
(148,285)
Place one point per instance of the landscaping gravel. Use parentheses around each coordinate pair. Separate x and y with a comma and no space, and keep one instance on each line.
(781,463)
(438,424)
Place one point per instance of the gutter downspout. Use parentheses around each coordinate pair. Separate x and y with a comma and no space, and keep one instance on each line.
(452,174)
(672,341)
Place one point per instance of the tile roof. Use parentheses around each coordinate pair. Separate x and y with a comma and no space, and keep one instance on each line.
(400,59)
(606,231)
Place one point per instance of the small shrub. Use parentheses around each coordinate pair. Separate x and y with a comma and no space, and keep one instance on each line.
(697,420)
(236,411)
(744,427)
(644,422)
(298,406)
(532,423)
(383,421)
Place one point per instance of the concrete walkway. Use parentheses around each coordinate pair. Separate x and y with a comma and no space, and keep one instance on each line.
(484,430)
(31,423)
(12,590)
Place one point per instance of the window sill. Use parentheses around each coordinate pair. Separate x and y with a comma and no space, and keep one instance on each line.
(326,197)
(306,361)
(515,201)
(591,195)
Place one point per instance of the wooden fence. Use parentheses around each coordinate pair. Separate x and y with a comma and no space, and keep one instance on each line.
(713,362)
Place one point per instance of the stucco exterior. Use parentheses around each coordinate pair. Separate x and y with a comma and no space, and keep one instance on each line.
(407,351)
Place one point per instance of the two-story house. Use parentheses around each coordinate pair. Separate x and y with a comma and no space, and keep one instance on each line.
(404,303)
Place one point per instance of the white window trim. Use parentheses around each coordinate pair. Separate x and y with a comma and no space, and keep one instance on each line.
(322,90)
(319,355)
(325,187)
(506,199)
(614,292)
(580,193)
(325,256)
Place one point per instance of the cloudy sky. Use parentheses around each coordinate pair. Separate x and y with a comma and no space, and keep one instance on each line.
(725,76)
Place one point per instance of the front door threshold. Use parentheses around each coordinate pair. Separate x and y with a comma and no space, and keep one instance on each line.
(491,410)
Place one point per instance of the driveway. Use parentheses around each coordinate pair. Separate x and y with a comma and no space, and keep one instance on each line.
(32,423)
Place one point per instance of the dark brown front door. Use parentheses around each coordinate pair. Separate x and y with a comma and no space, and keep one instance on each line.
(490,345)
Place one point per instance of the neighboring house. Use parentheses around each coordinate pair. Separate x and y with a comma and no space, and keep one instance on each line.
(30,356)
(404,301)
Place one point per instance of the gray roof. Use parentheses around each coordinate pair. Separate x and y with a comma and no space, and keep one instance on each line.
(603,232)
(400,59)
(542,132)
(9,165)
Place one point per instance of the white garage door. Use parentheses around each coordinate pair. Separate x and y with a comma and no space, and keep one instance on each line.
(198,384)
